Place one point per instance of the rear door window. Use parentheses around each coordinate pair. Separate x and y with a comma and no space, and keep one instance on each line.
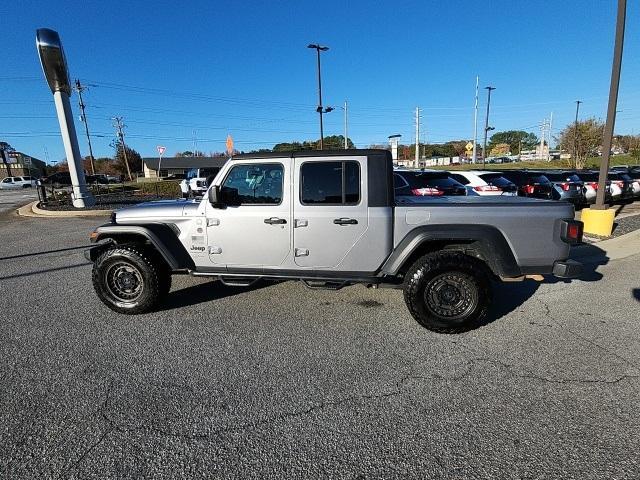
(330,183)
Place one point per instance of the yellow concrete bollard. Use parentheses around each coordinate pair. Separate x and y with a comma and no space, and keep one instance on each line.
(598,222)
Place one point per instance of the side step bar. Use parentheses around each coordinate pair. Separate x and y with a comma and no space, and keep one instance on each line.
(238,281)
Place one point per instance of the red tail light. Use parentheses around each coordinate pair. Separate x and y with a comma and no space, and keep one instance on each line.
(529,189)
(593,185)
(571,231)
(487,188)
(565,186)
(427,191)
(619,183)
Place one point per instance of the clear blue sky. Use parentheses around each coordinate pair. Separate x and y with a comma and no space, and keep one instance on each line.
(242,68)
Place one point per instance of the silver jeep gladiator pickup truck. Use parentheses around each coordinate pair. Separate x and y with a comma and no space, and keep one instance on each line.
(329,219)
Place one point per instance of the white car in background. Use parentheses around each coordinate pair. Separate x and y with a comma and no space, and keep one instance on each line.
(17,182)
(480,182)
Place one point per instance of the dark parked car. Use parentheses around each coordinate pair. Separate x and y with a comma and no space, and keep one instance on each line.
(567,186)
(530,184)
(425,183)
(57,180)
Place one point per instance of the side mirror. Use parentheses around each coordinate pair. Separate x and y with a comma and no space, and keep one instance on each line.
(214,196)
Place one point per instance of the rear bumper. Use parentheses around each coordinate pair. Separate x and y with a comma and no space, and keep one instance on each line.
(567,269)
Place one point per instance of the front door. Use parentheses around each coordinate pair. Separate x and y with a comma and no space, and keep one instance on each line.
(256,230)
(330,210)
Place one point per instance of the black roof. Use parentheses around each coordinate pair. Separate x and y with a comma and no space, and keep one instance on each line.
(185,162)
(314,153)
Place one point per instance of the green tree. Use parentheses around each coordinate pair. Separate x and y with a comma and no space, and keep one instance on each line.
(586,135)
(513,139)
(134,158)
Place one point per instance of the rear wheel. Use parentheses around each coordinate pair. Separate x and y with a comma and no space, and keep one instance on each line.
(130,279)
(448,292)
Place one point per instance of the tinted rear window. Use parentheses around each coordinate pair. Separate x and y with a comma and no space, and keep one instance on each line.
(562,177)
(429,179)
(495,179)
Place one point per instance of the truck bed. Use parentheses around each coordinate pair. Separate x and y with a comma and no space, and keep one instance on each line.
(525,223)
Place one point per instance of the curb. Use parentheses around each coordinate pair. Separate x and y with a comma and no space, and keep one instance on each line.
(615,248)
(32,210)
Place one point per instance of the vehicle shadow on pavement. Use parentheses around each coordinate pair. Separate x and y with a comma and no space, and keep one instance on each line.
(636,293)
(512,295)
(45,252)
(205,292)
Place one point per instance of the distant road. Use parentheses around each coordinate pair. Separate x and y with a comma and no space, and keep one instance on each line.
(12,199)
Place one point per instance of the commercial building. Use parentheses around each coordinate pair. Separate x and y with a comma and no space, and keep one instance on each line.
(19,164)
(178,166)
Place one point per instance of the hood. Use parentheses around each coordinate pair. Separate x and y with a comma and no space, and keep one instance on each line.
(160,209)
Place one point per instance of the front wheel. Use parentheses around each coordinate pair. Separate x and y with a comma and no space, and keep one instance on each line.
(448,292)
(129,279)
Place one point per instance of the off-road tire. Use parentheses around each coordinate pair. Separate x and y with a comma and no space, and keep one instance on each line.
(130,279)
(448,292)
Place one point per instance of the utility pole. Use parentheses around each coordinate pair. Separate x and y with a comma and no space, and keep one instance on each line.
(549,143)
(119,131)
(611,109)
(475,123)
(575,136)
(543,134)
(417,160)
(486,126)
(346,130)
(79,88)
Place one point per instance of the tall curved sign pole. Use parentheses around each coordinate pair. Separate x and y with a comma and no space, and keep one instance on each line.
(54,66)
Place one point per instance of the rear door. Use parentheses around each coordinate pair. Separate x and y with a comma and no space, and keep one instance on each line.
(330,209)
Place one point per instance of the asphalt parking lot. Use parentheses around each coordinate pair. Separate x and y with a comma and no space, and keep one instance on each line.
(281,381)
(11,199)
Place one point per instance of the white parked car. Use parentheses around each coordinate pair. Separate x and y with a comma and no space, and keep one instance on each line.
(480,182)
(17,182)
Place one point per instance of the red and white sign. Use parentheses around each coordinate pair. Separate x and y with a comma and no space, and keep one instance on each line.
(161,149)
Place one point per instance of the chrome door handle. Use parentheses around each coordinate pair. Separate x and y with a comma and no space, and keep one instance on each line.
(345,221)
(275,221)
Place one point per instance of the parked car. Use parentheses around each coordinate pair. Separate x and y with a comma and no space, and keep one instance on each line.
(197,180)
(425,183)
(479,182)
(17,182)
(58,179)
(590,190)
(98,178)
(567,186)
(624,182)
(530,184)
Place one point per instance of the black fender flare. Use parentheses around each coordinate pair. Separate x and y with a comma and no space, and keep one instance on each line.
(161,236)
(487,239)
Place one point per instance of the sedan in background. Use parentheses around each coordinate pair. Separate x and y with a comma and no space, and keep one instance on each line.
(624,182)
(567,186)
(590,190)
(530,184)
(479,182)
(425,183)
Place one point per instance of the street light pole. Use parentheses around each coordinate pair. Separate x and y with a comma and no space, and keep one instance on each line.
(575,135)
(318,48)
(613,101)
(346,131)
(486,125)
